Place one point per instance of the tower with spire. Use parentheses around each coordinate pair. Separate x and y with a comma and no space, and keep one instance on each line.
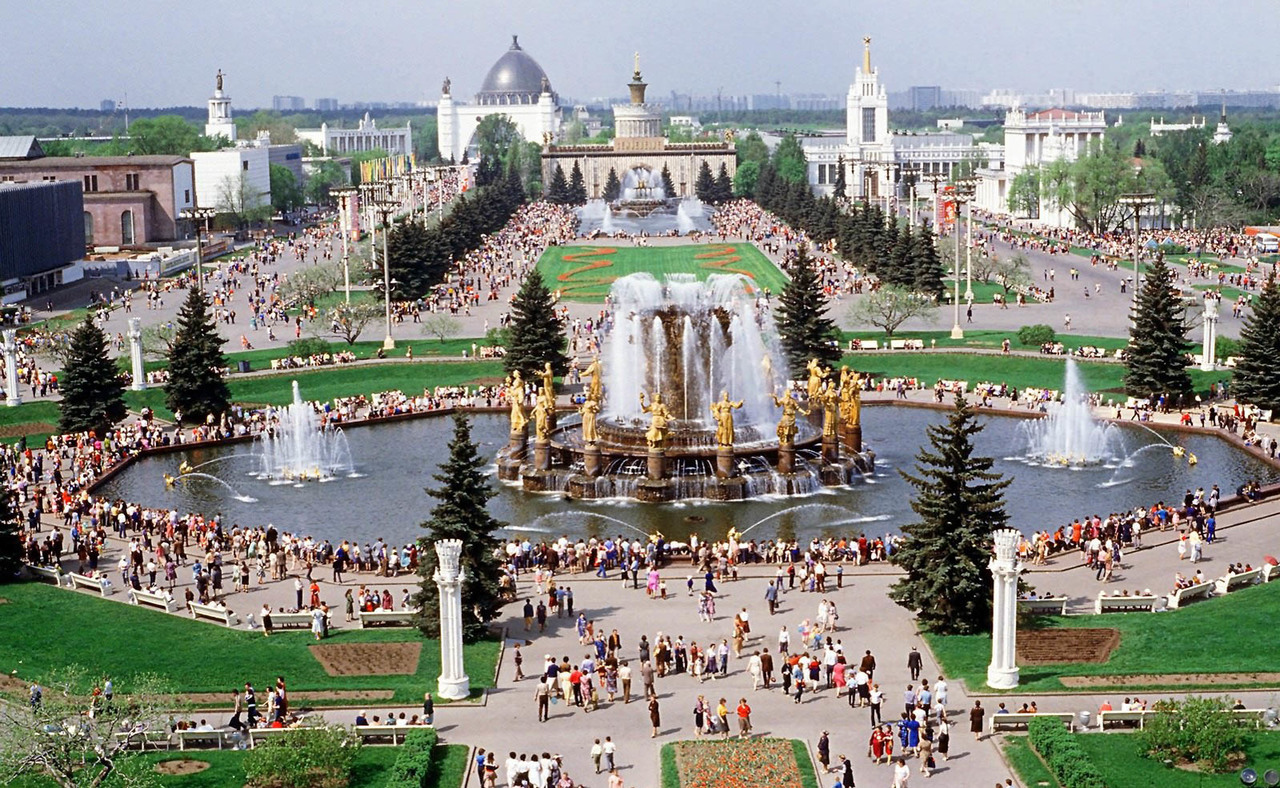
(867,139)
(220,122)
(1223,132)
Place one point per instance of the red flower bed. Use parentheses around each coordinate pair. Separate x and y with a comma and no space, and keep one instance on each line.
(736,764)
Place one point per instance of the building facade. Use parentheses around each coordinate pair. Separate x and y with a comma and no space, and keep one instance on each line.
(42,232)
(234,180)
(516,86)
(366,136)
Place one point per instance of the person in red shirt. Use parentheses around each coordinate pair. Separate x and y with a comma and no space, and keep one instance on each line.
(575,679)
(744,718)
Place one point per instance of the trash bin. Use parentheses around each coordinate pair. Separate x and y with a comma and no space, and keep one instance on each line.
(243,366)
(1083,718)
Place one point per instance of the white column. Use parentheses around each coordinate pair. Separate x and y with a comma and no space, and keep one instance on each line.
(135,354)
(1002,673)
(13,395)
(454,683)
(1209,356)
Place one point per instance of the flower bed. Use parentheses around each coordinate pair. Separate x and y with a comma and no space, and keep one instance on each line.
(737,764)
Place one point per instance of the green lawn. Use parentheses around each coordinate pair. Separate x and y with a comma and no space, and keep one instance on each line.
(585,273)
(1189,640)
(422,348)
(108,637)
(1022,756)
(1119,759)
(982,292)
(30,420)
(226,767)
(348,381)
(988,339)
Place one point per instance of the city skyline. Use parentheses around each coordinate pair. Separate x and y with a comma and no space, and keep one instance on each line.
(403,55)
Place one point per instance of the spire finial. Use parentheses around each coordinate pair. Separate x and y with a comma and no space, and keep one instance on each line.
(637,69)
(515,42)
(866,54)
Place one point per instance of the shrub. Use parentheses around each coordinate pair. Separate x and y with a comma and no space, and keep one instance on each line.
(414,763)
(303,758)
(1195,730)
(1066,759)
(1036,335)
(1225,347)
(308,346)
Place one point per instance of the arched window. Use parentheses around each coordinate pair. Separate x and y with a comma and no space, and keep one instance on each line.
(126,227)
(88,227)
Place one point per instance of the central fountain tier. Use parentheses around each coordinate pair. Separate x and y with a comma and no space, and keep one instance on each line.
(676,348)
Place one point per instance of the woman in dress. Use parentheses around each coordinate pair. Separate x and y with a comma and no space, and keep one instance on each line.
(875,748)
(655,717)
(944,737)
(317,623)
(975,720)
(927,764)
(699,715)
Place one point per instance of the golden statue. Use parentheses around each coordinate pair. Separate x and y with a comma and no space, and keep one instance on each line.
(548,383)
(659,415)
(817,375)
(593,374)
(829,397)
(728,136)
(589,408)
(723,413)
(850,397)
(787,423)
(542,419)
(515,393)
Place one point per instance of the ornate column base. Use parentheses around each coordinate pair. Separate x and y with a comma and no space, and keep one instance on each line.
(787,458)
(657,464)
(830,448)
(592,460)
(851,437)
(1002,678)
(542,454)
(453,689)
(517,445)
(726,468)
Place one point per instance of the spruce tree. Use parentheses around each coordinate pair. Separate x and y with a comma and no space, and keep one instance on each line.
(805,329)
(960,502)
(668,185)
(462,513)
(839,188)
(705,186)
(92,394)
(196,387)
(724,185)
(577,186)
(11,556)
(612,186)
(925,262)
(1157,352)
(559,191)
(1257,377)
(900,269)
(536,332)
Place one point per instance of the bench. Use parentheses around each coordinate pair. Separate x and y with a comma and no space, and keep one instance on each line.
(1011,720)
(50,573)
(1197,591)
(145,597)
(1256,716)
(100,584)
(391,618)
(1124,604)
(146,739)
(1044,607)
(395,733)
(284,620)
(1138,716)
(1268,571)
(217,613)
(870,344)
(185,737)
(262,734)
(1229,583)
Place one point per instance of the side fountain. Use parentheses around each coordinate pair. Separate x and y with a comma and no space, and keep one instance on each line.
(657,420)
(298,449)
(1070,436)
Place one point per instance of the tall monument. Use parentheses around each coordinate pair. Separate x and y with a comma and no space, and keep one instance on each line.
(135,354)
(13,394)
(453,683)
(220,122)
(1002,673)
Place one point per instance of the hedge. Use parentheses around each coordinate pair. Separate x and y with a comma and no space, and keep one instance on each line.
(414,763)
(1066,759)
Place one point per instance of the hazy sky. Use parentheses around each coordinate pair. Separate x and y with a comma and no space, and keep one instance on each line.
(77,52)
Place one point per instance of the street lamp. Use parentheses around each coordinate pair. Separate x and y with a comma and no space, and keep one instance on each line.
(1136,201)
(344,195)
(935,180)
(969,187)
(386,208)
(961,197)
(200,217)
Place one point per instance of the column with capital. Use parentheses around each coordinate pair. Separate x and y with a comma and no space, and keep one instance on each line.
(1002,673)
(13,395)
(453,683)
(1209,354)
(135,354)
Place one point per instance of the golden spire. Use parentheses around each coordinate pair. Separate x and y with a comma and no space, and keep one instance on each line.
(866,54)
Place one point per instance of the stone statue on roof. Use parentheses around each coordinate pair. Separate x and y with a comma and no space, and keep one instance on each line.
(444,89)
(219,79)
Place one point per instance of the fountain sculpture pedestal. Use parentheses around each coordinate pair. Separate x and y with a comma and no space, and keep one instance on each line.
(592,460)
(657,464)
(787,458)
(1002,673)
(726,468)
(851,436)
(830,448)
(542,454)
(509,461)
(453,684)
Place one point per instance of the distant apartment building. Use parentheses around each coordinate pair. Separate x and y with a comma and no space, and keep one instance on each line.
(925,97)
(327,105)
(288,103)
(107,105)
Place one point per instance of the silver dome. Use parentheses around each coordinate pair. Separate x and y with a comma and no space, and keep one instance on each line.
(515,79)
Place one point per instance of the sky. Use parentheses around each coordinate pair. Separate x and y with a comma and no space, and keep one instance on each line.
(66,53)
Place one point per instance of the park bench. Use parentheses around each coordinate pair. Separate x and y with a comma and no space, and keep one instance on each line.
(193,736)
(1228,583)
(391,618)
(1256,716)
(870,344)
(50,573)
(1124,604)
(1136,717)
(148,739)
(100,584)
(262,734)
(144,597)
(1012,720)
(1197,591)
(897,344)
(394,733)
(1268,571)
(222,615)
(1044,607)
(284,620)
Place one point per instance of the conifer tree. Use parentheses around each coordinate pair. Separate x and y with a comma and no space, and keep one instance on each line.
(839,188)
(1257,377)
(959,501)
(705,186)
(92,394)
(925,262)
(462,512)
(1157,352)
(805,329)
(196,388)
(577,186)
(559,190)
(612,186)
(668,185)
(900,268)
(11,556)
(536,332)
(724,185)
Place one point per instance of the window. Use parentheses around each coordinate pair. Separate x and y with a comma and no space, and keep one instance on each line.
(88,227)
(822,174)
(186,196)
(126,227)
(244,165)
(49,178)
(91,183)
(131,182)
(869,124)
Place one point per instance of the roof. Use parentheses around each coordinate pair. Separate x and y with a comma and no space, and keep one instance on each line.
(516,75)
(1054,114)
(20,147)
(83,162)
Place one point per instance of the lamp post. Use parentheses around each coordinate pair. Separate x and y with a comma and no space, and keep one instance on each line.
(1136,201)
(968,186)
(344,195)
(957,332)
(386,208)
(200,218)
(935,180)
